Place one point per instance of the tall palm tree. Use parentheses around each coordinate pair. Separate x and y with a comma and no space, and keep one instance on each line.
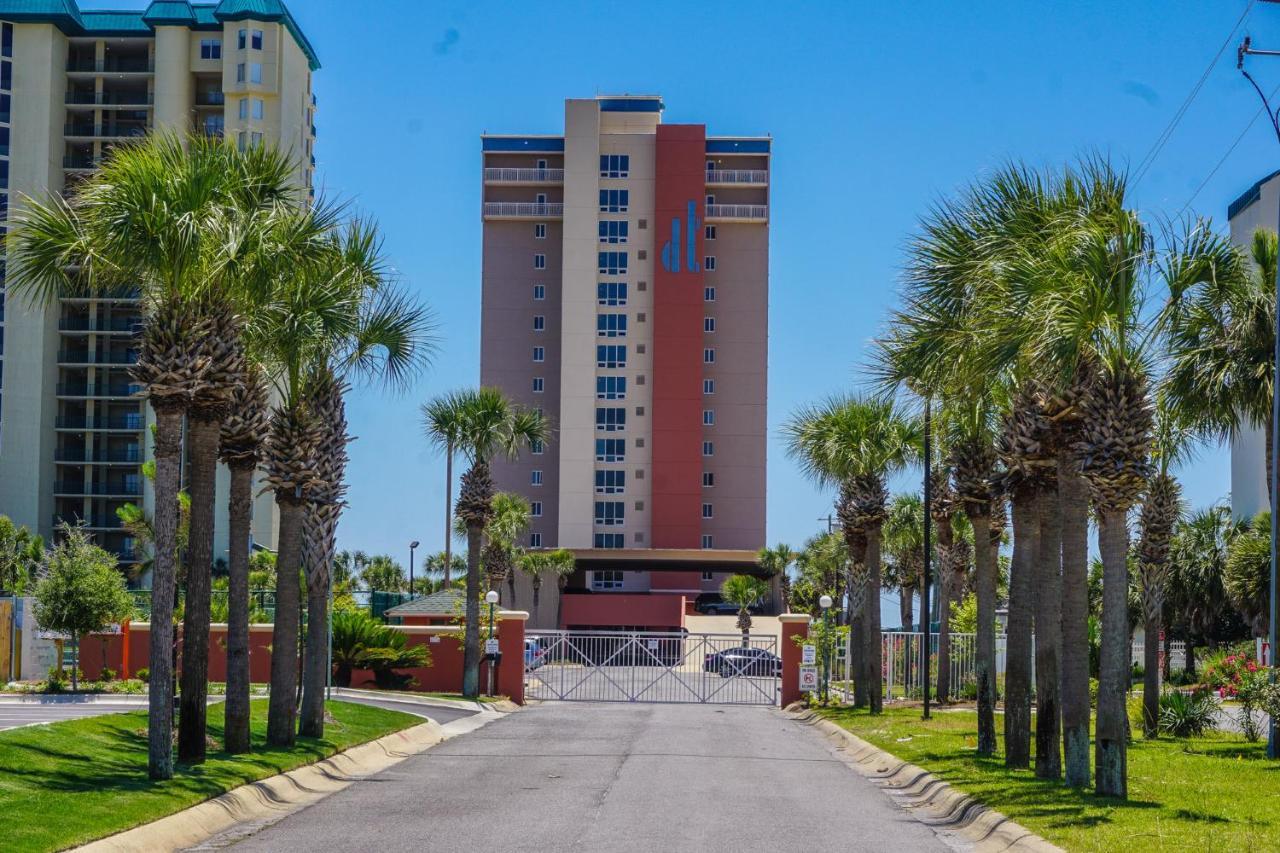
(444,428)
(1197,565)
(776,563)
(558,562)
(952,556)
(904,545)
(502,536)
(490,424)
(746,591)
(819,566)
(855,443)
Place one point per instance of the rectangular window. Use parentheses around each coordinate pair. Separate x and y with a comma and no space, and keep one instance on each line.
(708,294)
(242,140)
(255,139)
(708,324)
(610,513)
(709,232)
(614,201)
(611,450)
(615,165)
(539,292)
(6,40)
(611,419)
(536,447)
(613,263)
(610,482)
(210,48)
(611,387)
(535,509)
(255,40)
(708,448)
(611,325)
(539,261)
(537,384)
(708,479)
(707,541)
(610,540)
(613,231)
(539,322)
(255,72)
(244,109)
(611,293)
(709,355)
(6,74)
(707,576)
(708,386)
(242,39)
(708,417)
(535,478)
(611,355)
(539,354)
(610,579)
(707,511)
(239,72)
(535,540)
(540,231)
(259,108)
(709,263)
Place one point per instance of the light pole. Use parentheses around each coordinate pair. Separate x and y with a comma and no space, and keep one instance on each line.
(1273,733)
(928,550)
(412,546)
(492,598)
(825,603)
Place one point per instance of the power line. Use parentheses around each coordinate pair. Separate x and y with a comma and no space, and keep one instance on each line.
(1224,157)
(1145,164)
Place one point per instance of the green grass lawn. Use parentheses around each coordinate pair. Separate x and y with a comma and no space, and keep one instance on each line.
(71,782)
(1213,793)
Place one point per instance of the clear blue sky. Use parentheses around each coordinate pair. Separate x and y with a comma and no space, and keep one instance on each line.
(876,110)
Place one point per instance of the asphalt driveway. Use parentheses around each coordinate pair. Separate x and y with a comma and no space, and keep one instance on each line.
(614,777)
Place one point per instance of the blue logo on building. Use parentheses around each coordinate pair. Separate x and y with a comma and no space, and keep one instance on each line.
(671,248)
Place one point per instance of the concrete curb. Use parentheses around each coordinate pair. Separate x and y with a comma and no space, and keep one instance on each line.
(262,803)
(932,801)
(503,706)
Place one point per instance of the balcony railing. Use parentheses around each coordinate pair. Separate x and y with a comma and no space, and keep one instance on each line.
(80,454)
(82,389)
(130,423)
(116,66)
(111,99)
(87,357)
(210,99)
(119,130)
(115,324)
(98,489)
(524,176)
(81,161)
(93,522)
(737,176)
(758,212)
(531,209)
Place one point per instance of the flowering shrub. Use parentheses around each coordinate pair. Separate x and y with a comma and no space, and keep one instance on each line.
(1229,675)
(1256,693)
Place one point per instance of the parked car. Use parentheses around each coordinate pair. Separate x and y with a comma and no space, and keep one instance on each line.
(712,604)
(534,656)
(746,661)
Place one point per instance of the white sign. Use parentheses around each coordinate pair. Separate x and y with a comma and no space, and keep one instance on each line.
(808,655)
(490,647)
(653,645)
(808,679)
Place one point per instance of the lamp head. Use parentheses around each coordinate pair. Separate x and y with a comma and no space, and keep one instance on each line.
(413,544)
(491,597)
(824,602)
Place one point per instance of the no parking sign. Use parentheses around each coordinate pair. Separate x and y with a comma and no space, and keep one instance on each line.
(808,679)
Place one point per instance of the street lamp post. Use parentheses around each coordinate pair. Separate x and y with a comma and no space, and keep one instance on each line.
(925,625)
(492,598)
(825,603)
(412,546)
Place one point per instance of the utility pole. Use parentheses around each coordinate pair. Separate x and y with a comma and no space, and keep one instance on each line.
(1273,734)
(928,549)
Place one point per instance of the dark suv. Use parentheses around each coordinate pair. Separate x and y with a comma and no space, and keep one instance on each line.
(711,604)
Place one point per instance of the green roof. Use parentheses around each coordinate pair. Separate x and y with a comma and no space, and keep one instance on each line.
(67,17)
(446,602)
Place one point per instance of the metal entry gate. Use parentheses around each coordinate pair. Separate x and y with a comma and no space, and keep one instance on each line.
(643,666)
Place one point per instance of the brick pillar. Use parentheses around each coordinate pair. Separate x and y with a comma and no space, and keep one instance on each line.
(795,629)
(511,644)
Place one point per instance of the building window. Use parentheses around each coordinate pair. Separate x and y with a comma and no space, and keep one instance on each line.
(708,294)
(535,509)
(611,387)
(611,450)
(539,261)
(611,293)
(539,322)
(244,109)
(707,541)
(613,263)
(709,263)
(240,70)
(710,200)
(709,355)
(614,201)
(535,478)
(536,447)
(708,448)
(611,325)
(609,540)
(610,482)
(209,49)
(242,39)
(6,40)
(707,511)
(539,292)
(259,108)
(708,324)
(611,419)
(709,232)
(535,540)
(539,354)
(255,139)
(613,231)
(255,40)
(241,141)
(708,480)
(708,417)
(615,165)
(611,355)
(708,386)
(606,579)
(610,513)
(537,385)
(255,72)
(707,576)
(540,231)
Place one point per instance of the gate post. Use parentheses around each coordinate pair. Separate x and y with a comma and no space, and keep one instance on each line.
(795,629)
(511,645)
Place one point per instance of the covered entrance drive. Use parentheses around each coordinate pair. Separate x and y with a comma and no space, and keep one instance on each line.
(652,666)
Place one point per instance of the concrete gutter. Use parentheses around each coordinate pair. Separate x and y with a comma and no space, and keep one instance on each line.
(502,706)
(252,807)
(928,798)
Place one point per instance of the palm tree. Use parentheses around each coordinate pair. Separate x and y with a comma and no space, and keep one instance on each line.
(382,572)
(502,534)
(746,591)
(1197,566)
(855,443)
(1246,576)
(776,563)
(489,424)
(904,546)
(558,562)
(953,558)
(819,567)
(444,429)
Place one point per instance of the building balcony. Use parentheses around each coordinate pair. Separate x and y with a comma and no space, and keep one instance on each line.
(126,423)
(93,522)
(79,455)
(115,130)
(108,99)
(81,161)
(83,390)
(97,490)
(101,325)
(82,357)
(523,176)
(737,213)
(210,99)
(112,66)
(127,294)
(523,210)
(737,177)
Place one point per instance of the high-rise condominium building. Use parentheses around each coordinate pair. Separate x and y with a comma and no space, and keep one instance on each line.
(73,433)
(625,295)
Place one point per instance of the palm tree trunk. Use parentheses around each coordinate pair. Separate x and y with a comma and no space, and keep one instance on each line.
(1151,674)
(1073,496)
(871,619)
(1048,636)
(985,568)
(1167,648)
(1111,748)
(855,615)
(236,708)
(906,607)
(905,611)
(282,709)
(944,634)
(471,634)
(316,663)
(168,447)
(448,515)
(204,434)
(1017,683)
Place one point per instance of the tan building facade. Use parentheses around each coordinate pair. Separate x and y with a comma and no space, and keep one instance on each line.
(73,433)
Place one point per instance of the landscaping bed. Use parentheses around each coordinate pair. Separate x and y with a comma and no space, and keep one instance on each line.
(1216,792)
(67,783)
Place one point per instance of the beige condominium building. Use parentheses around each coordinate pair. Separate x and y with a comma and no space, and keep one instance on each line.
(73,83)
(625,294)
